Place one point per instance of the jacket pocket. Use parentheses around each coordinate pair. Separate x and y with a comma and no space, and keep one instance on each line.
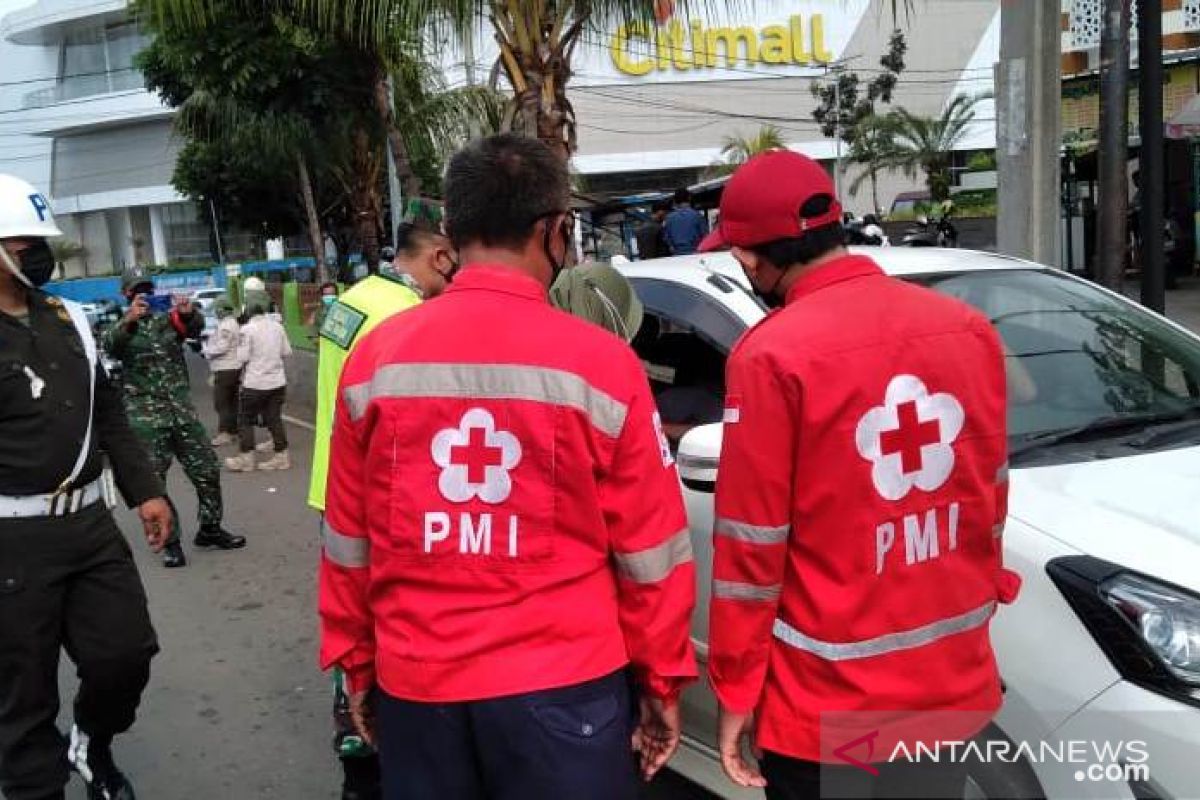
(585,719)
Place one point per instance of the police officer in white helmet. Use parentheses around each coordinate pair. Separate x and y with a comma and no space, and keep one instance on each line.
(67,578)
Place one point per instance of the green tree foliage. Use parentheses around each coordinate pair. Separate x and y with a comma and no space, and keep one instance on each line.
(926,144)
(846,103)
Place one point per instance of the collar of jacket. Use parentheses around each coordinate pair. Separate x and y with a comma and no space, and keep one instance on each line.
(498,278)
(831,272)
(396,274)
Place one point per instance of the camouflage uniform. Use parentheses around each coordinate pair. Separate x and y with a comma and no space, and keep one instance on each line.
(158,402)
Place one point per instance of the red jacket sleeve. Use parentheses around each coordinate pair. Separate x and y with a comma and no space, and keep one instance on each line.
(753,524)
(652,550)
(1008,583)
(347,628)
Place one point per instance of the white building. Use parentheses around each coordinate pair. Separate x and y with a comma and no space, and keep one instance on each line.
(76,120)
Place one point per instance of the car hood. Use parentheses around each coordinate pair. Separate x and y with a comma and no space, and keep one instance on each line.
(1140,512)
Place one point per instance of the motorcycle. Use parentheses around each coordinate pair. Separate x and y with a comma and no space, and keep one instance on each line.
(927,233)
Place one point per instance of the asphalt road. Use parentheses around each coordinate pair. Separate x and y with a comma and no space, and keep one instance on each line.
(237,708)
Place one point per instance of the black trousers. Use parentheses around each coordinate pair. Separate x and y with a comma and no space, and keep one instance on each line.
(66,582)
(269,405)
(572,742)
(225,399)
(793,779)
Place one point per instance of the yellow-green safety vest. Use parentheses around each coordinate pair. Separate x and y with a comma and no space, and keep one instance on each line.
(368,303)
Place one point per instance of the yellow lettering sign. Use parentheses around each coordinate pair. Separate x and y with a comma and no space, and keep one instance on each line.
(638,50)
(622,59)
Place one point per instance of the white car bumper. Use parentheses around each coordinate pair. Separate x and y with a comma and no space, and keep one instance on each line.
(1138,722)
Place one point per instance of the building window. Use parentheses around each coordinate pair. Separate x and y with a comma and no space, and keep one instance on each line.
(189,240)
(93,61)
(1191,15)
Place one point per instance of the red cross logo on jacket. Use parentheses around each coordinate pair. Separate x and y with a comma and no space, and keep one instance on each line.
(476,459)
(909,439)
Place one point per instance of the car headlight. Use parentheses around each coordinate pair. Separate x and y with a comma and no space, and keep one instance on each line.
(1168,619)
(1149,629)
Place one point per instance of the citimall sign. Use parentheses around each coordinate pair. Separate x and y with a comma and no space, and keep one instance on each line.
(639,49)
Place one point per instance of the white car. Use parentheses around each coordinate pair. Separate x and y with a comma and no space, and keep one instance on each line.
(205,297)
(1103,644)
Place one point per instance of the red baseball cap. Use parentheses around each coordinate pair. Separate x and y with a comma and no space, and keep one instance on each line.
(762,201)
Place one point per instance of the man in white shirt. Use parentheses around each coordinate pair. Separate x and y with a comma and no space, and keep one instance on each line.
(264,345)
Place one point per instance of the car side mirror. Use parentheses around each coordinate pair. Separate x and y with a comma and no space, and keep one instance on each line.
(699,455)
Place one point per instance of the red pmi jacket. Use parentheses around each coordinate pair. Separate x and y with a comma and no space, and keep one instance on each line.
(503,513)
(860,502)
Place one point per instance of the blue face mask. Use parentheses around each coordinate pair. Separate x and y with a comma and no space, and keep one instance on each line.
(328,299)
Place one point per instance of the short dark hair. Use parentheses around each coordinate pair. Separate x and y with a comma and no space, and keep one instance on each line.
(496,189)
(328,285)
(683,196)
(411,238)
(813,244)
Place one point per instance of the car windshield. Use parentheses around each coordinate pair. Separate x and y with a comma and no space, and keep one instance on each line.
(1079,360)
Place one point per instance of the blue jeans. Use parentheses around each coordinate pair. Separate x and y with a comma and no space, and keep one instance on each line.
(572,742)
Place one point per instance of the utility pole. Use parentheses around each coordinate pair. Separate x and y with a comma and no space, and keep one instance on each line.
(1150,163)
(1112,223)
(837,131)
(1029,140)
(396,199)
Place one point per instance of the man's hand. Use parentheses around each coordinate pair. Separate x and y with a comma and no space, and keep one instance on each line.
(156,522)
(657,735)
(138,308)
(732,729)
(363,716)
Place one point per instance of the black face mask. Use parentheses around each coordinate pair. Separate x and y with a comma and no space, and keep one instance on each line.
(768,297)
(557,266)
(37,262)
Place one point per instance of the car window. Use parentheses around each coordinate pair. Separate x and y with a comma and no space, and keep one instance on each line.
(681,345)
(1076,354)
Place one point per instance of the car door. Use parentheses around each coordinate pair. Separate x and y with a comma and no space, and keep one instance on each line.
(678,312)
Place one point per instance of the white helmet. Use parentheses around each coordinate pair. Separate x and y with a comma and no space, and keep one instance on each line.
(24,211)
(254,284)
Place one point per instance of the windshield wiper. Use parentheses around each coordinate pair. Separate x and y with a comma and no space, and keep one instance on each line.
(1103,425)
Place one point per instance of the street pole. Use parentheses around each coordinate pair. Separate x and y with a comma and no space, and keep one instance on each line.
(1029,140)
(396,200)
(1112,245)
(212,209)
(1150,163)
(837,132)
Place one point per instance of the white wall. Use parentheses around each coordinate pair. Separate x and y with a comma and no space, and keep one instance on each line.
(35,68)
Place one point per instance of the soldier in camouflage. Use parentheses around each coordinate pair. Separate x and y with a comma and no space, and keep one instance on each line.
(149,345)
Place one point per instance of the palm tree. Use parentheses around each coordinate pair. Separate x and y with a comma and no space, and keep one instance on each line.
(926,144)
(873,147)
(737,150)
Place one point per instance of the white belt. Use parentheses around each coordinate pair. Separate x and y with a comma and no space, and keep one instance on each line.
(51,505)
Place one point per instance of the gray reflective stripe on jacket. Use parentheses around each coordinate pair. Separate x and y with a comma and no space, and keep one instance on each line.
(490,382)
(888,643)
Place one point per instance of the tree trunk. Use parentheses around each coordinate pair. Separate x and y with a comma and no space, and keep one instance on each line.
(874,190)
(314,223)
(383,107)
(1113,153)
(362,200)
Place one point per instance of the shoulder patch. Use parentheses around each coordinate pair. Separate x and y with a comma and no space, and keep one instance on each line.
(342,324)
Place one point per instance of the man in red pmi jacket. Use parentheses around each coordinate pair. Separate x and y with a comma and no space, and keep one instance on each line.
(505,529)
(860,503)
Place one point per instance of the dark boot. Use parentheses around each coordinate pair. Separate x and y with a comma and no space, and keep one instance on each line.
(361,778)
(94,762)
(173,556)
(218,537)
